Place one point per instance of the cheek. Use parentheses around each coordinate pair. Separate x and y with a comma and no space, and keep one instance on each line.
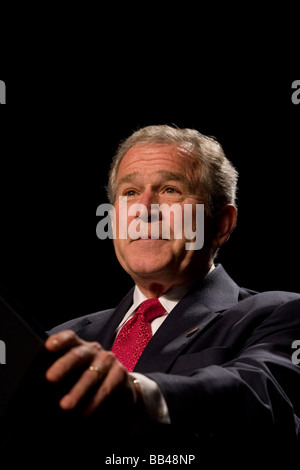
(178,248)
(120,248)
(172,218)
(184,220)
(183,257)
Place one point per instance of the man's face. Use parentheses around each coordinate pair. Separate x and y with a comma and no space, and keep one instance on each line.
(157,174)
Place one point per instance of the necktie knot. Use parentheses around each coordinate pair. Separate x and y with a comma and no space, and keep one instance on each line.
(150,309)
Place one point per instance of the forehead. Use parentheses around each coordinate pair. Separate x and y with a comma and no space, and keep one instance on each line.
(156,157)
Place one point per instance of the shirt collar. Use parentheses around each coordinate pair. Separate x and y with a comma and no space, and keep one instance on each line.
(168,300)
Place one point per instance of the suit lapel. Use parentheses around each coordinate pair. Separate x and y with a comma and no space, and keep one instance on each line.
(173,336)
(197,310)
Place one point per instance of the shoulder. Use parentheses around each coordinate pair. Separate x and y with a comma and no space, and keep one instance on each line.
(270,299)
(267,297)
(278,307)
(78,323)
(96,321)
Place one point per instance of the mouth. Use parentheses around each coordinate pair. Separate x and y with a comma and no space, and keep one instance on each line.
(145,240)
(150,240)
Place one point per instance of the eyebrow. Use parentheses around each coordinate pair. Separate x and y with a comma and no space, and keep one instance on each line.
(167,175)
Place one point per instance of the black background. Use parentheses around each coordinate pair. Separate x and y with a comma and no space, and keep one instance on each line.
(59,131)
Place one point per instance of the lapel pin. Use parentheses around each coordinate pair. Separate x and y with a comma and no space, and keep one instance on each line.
(190,333)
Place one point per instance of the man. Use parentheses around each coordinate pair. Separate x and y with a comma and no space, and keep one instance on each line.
(218,366)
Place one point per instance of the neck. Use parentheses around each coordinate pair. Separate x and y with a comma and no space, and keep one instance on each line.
(154,289)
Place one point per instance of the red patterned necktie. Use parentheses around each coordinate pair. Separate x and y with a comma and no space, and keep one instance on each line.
(135,334)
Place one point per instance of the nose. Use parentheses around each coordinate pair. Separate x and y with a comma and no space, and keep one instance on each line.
(149,202)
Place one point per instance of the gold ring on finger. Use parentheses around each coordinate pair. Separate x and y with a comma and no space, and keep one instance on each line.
(96,369)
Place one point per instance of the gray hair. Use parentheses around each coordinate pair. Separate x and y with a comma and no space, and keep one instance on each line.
(218,177)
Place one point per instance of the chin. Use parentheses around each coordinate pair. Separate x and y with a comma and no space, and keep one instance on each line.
(146,257)
(146,267)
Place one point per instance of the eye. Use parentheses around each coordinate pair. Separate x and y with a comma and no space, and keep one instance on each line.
(130,192)
(170,190)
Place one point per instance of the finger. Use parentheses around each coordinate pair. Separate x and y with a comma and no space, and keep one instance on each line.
(116,377)
(61,340)
(77,356)
(91,376)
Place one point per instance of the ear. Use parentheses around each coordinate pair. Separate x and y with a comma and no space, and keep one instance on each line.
(225,222)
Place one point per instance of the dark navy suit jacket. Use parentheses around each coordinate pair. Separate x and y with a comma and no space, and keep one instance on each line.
(222,359)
